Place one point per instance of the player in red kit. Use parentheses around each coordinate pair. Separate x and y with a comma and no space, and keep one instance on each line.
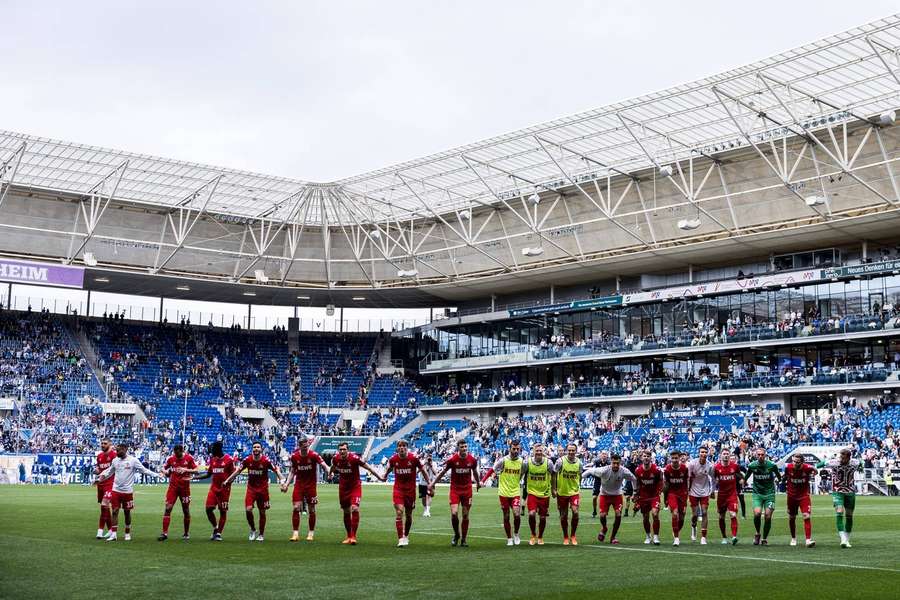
(258,467)
(462,467)
(179,467)
(728,478)
(650,481)
(797,476)
(347,465)
(104,489)
(405,466)
(304,473)
(675,491)
(220,467)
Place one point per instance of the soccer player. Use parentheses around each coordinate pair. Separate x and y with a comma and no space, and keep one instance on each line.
(179,467)
(798,475)
(509,483)
(566,488)
(304,474)
(700,481)
(649,484)
(843,492)
(405,466)
(220,467)
(675,491)
(611,478)
(537,488)
(765,475)
(463,468)
(104,489)
(601,461)
(123,469)
(727,477)
(258,466)
(347,465)
(423,479)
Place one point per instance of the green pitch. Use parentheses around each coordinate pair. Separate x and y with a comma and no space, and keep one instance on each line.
(48,550)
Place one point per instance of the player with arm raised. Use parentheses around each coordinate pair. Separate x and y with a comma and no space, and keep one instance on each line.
(612,478)
(219,468)
(463,469)
(765,475)
(843,491)
(179,467)
(727,477)
(123,469)
(304,474)
(104,489)
(405,466)
(649,485)
(537,489)
(798,475)
(347,465)
(675,491)
(700,483)
(509,483)
(258,466)
(566,488)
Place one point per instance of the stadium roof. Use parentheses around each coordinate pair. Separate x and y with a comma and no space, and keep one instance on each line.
(851,75)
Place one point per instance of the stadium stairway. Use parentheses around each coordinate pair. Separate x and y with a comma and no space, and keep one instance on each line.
(388,443)
(90,355)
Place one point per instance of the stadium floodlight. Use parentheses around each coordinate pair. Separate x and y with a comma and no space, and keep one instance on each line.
(260,276)
(359,298)
(666,171)
(409,273)
(814,200)
(688,224)
(89,259)
(534,198)
(183,288)
(532,251)
(302,297)
(887,118)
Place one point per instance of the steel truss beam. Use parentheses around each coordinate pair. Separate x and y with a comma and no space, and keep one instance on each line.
(187,219)
(95,205)
(266,236)
(8,170)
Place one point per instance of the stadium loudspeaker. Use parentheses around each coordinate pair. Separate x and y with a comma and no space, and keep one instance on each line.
(887,118)
(532,251)
(814,200)
(666,171)
(688,224)
(329,310)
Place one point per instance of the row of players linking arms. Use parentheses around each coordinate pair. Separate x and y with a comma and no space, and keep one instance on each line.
(682,482)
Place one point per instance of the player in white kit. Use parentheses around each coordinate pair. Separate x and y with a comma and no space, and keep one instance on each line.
(125,469)
(612,480)
(700,477)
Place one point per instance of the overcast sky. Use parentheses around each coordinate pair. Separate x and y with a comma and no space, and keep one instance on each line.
(323,90)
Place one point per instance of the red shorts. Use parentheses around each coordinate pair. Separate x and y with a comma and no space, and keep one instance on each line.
(218,497)
(677,502)
(178,491)
(607,501)
(795,505)
(463,497)
(256,497)
(119,500)
(701,501)
(727,503)
(540,505)
(405,498)
(648,504)
(104,492)
(564,502)
(351,497)
(305,493)
(507,502)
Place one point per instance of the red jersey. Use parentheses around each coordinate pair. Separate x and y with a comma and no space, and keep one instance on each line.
(185,462)
(727,476)
(797,479)
(676,479)
(404,471)
(649,481)
(104,460)
(347,470)
(461,470)
(305,467)
(221,468)
(258,471)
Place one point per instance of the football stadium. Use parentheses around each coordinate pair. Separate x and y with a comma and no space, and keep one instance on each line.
(647,350)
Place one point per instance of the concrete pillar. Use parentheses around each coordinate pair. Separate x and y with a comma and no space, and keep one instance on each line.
(87,311)
(249,315)
(341,325)
(690,273)
(552,294)
(493,302)
(618,284)
(161,299)
(865,250)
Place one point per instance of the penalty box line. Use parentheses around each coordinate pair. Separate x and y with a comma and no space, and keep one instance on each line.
(691,553)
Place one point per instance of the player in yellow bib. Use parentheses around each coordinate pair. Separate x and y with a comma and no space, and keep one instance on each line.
(566,488)
(537,488)
(509,482)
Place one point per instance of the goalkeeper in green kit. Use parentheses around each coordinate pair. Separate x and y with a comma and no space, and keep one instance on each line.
(765,475)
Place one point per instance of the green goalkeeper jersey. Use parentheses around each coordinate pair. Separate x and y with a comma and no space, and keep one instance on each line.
(764,474)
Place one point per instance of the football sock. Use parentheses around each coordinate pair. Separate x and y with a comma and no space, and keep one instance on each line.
(574,522)
(347,523)
(507,528)
(734,526)
(295,519)
(407,525)
(703,532)
(676,525)
(517,523)
(694,521)
(616,522)
(722,525)
(114,528)
(187,525)
(532,524)
(564,523)
(465,527)
(792,525)
(656,525)
(166,520)
(647,523)
(211,517)
(398,523)
(849,523)
(756,522)
(603,523)
(839,521)
(223,514)
(312,521)
(767,527)
(541,526)
(354,522)
(250,521)
(454,521)
(262,522)
(807,528)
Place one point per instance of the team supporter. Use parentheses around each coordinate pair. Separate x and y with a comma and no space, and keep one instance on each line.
(700,482)
(220,467)
(304,474)
(601,461)
(566,488)
(463,469)
(104,488)
(123,469)
(537,488)
(347,465)
(675,491)
(612,478)
(843,492)
(179,467)
(405,466)
(509,489)
(424,478)
(797,477)
(727,477)
(257,466)
(765,474)
(649,485)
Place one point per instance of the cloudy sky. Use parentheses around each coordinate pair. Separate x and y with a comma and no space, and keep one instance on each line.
(323,90)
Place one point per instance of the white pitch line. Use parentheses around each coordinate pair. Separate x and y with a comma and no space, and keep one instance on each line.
(689,553)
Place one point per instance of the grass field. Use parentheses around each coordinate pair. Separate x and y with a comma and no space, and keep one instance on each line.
(48,550)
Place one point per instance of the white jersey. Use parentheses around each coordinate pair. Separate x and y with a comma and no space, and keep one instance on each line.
(429,469)
(701,477)
(125,470)
(611,482)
